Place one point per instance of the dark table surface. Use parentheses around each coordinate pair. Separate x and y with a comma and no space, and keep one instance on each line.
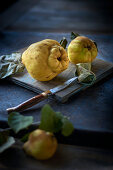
(91,110)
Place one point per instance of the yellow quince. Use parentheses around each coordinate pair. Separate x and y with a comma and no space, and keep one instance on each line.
(82,50)
(41,144)
(44,60)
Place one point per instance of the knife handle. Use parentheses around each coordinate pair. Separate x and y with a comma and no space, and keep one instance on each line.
(29,103)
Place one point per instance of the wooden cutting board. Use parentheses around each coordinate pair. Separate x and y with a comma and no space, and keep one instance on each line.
(99,67)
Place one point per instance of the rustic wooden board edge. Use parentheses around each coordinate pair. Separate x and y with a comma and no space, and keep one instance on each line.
(63,98)
(83,87)
(25,85)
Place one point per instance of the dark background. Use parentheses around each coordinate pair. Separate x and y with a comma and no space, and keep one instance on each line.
(83,16)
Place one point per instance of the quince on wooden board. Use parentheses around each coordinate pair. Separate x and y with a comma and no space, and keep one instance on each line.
(82,50)
(44,60)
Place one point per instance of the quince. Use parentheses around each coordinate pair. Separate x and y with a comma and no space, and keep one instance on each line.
(41,144)
(44,60)
(82,50)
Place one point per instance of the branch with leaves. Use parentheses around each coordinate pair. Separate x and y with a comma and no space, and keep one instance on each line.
(51,121)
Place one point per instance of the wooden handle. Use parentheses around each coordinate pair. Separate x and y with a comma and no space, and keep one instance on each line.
(29,103)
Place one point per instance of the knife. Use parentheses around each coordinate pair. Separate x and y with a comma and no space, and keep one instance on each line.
(36,99)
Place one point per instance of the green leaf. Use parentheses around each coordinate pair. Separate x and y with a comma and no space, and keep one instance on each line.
(87,78)
(54,121)
(50,121)
(74,35)
(10,141)
(25,137)
(18,122)
(84,73)
(63,42)
(58,122)
(10,64)
(67,127)
(3,137)
(81,66)
(95,45)
(47,116)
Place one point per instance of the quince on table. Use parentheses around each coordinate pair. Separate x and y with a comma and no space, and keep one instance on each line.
(44,60)
(41,144)
(82,50)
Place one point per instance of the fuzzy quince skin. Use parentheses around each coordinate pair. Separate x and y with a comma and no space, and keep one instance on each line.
(44,60)
(41,144)
(82,50)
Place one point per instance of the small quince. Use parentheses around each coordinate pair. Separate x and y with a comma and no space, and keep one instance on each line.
(82,50)
(41,144)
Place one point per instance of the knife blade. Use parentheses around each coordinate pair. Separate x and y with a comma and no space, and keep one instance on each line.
(36,99)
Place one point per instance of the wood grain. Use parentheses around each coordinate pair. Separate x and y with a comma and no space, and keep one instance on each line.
(99,67)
